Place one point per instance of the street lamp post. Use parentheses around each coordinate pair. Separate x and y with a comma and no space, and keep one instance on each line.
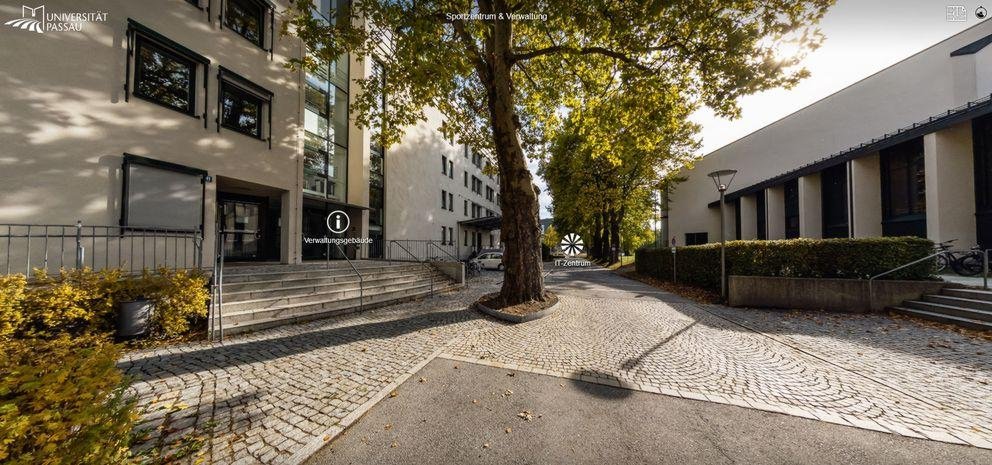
(722,180)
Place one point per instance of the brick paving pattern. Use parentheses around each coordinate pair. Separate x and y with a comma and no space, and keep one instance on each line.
(265,396)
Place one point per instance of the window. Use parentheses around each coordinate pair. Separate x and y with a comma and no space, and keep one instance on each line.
(761,219)
(698,238)
(833,192)
(466,178)
(241,112)
(490,240)
(490,193)
(451,236)
(451,202)
(466,208)
(244,105)
(164,77)
(903,190)
(792,209)
(444,200)
(444,164)
(444,234)
(451,169)
(465,238)
(247,18)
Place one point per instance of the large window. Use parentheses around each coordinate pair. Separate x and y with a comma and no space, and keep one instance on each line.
(325,122)
(247,18)
(697,238)
(904,200)
(792,209)
(833,190)
(981,130)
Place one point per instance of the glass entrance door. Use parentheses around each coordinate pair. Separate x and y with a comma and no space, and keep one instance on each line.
(244,235)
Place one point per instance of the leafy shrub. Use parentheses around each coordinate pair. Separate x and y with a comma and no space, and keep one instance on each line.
(798,258)
(71,412)
(74,301)
(180,296)
(11,295)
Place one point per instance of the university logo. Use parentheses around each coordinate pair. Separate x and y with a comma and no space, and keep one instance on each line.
(36,19)
(571,245)
(32,19)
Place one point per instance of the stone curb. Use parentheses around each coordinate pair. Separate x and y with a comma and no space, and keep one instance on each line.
(517,318)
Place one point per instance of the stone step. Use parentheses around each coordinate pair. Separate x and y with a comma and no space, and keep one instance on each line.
(944,318)
(368,284)
(252,290)
(253,321)
(959,302)
(249,268)
(283,274)
(976,294)
(952,310)
(332,294)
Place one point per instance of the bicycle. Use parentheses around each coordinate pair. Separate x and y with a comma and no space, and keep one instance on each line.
(971,263)
(472,269)
(947,257)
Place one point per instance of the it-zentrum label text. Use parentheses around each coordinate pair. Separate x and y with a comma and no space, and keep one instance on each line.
(566,262)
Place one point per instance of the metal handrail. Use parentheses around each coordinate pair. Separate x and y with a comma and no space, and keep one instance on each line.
(871,280)
(430,271)
(216,320)
(432,243)
(361,279)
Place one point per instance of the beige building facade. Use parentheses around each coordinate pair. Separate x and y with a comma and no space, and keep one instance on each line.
(153,124)
(906,151)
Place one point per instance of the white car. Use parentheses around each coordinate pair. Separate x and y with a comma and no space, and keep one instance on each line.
(490,261)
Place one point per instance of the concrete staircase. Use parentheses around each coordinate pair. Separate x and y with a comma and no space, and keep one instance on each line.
(970,308)
(262,296)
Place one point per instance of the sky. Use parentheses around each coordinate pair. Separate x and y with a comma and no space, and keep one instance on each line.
(862,37)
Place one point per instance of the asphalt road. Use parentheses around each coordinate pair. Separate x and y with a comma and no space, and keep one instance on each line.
(433,419)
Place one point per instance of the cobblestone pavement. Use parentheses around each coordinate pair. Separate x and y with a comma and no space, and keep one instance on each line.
(277,395)
(872,371)
(263,397)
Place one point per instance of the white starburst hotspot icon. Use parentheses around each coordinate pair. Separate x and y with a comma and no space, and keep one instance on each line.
(571,244)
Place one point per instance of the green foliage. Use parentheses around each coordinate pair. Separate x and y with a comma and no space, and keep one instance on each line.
(799,258)
(84,301)
(62,401)
(180,296)
(11,295)
(551,238)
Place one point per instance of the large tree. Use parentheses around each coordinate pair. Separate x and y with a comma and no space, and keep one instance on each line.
(500,69)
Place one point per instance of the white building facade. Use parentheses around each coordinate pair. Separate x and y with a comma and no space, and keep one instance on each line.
(906,151)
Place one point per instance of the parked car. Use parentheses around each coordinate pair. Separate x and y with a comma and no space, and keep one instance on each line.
(490,260)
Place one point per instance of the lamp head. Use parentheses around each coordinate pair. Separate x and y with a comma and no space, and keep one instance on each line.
(722,178)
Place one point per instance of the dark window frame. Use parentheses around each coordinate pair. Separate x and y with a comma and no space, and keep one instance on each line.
(910,156)
(225,78)
(242,97)
(261,8)
(761,216)
(834,202)
(793,226)
(696,238)
(136,34)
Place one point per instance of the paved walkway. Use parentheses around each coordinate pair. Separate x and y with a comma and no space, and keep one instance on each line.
(278,395)
(461,413)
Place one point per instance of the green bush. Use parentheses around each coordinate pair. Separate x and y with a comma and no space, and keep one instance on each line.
(180,297)
(62,401)
(798,258)
(11,294)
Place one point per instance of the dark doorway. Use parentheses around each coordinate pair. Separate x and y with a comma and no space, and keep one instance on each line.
(981,130)
(249,227)
(904,196)
(833,191)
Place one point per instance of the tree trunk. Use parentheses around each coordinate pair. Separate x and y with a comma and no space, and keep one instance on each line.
(597,237)
(520,229)
(606,243)
(614,237)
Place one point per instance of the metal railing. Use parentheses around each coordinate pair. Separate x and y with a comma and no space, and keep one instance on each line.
(933,256)
(361,279)
(216,316)
(424,263)
(28,247)
(421,249)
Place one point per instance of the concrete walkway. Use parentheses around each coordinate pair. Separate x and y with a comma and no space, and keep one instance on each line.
(453,412)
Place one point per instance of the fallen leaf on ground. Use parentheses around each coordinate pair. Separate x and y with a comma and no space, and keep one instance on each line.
(508,430)
(423,380)
(394,444)
(511,374)
(526,415)
(475,401)
(485,446)
(388,426)
(393,394)
(508,393)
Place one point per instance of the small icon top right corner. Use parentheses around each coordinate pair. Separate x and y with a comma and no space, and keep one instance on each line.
(959,13)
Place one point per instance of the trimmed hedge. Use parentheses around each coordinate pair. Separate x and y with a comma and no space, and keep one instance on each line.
(796,258)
